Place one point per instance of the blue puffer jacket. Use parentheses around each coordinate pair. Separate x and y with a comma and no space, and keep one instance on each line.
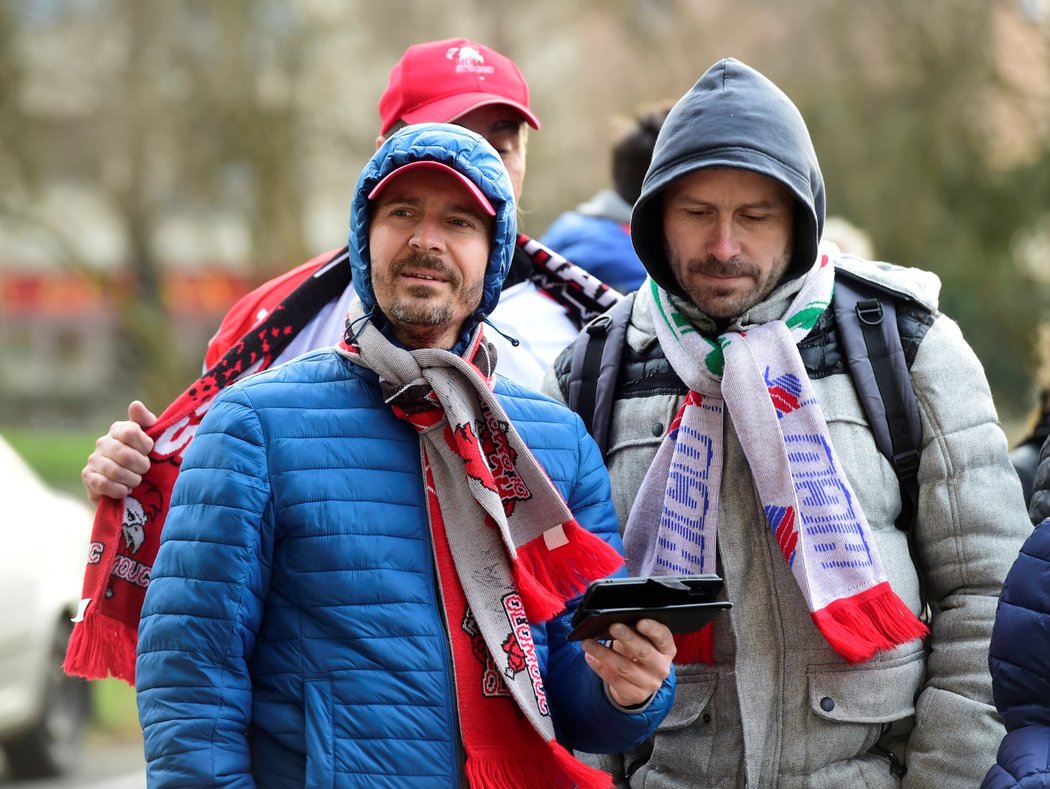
(292,632)
(296,559)
(1019,659)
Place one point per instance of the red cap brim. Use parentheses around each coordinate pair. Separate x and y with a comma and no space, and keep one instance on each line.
(429,164)
(450,108)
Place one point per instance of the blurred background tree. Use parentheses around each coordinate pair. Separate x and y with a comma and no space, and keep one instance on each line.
(141,137)
(952,151)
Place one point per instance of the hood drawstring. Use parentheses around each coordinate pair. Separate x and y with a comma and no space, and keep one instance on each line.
(350,334)
(481,317)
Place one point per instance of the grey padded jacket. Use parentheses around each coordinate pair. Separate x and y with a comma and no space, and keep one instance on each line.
(779,708)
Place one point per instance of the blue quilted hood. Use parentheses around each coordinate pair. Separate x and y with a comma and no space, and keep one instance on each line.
(732,117)
(468,153)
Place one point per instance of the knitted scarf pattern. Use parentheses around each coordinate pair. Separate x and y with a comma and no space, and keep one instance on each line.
(758,376)
(508,550)
(583,295)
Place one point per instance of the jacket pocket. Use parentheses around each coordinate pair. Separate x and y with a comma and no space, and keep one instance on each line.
(692,694)
(850,707)
(320,735)
(873,693)
(685,741)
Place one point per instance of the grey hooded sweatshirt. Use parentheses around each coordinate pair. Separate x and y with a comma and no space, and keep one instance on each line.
(780,708)
(732,117)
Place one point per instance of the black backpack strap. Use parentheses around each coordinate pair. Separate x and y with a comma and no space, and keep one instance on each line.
(868,330)
(595,366)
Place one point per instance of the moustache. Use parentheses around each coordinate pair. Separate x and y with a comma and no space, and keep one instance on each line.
(711,266)
(418,262)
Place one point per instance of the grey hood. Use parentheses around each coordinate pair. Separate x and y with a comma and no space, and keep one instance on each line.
(732,117)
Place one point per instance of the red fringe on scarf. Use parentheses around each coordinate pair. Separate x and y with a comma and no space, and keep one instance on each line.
(505,769)
(859,626)
(695,647)
(547,578)
(101,645)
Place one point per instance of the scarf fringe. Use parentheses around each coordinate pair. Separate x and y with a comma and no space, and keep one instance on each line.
(101,647)
(506,768)
(695,647)
(859,626)
(582,775)
(548,578)
(541,604)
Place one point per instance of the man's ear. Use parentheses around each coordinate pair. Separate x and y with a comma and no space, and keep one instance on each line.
(379,141)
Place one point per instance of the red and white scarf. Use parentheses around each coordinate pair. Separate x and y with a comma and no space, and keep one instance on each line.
(810,507)
(582,294)
(508,549)
(125,536)
(126,533)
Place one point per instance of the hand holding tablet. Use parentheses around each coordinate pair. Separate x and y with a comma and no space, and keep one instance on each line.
(683,603)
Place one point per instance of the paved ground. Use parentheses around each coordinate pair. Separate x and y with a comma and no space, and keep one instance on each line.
(107,764)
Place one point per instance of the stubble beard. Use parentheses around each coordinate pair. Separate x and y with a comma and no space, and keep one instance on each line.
(727,303)
(416,314)
(421,310)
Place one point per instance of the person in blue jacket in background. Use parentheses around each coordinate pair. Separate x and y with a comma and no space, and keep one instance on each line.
(373,552)
(596,235)
(1019,659)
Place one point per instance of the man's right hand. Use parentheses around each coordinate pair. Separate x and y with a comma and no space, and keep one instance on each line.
(120,458)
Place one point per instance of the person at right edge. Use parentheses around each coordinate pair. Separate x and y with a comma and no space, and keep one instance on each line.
(824,673)
(1031,454)
(1019,659)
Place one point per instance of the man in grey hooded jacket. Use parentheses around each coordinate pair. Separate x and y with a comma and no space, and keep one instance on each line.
(737,444)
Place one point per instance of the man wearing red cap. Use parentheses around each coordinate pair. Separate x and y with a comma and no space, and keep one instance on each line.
(449,79)
(545,300)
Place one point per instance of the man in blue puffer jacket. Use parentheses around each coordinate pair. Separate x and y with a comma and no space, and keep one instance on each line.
(1019,659)
(367,551)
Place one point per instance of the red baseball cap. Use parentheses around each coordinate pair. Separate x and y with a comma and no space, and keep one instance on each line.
(440,81)
(429,164)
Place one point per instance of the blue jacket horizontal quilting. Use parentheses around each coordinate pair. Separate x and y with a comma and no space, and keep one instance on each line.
(1019,659)
(370,707)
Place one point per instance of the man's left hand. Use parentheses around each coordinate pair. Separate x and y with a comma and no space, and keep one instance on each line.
(635,663)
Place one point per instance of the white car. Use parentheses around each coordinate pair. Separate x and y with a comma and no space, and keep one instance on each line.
(45,537)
